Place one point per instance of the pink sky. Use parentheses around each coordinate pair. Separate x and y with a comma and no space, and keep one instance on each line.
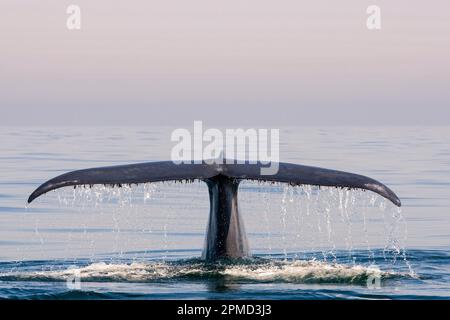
(247,62)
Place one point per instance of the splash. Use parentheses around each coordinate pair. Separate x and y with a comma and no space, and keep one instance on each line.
(326,220)
(296,222)
(250,270)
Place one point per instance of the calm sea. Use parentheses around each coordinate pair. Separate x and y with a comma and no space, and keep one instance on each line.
(145,242)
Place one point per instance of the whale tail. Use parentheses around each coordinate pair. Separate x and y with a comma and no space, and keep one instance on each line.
(225,236)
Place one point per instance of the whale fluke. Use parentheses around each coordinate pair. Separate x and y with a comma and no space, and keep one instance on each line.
(225,235)
(293,174)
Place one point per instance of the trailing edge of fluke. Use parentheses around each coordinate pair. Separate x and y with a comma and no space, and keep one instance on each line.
(293,174)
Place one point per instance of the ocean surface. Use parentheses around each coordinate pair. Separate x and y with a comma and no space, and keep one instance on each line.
(145,241)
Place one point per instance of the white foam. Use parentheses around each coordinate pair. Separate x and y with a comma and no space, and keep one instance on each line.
(270,271)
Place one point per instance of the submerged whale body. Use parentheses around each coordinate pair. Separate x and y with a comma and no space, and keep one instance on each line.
(225,236)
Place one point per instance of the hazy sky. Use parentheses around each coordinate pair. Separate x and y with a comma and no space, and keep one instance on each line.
(233,62)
